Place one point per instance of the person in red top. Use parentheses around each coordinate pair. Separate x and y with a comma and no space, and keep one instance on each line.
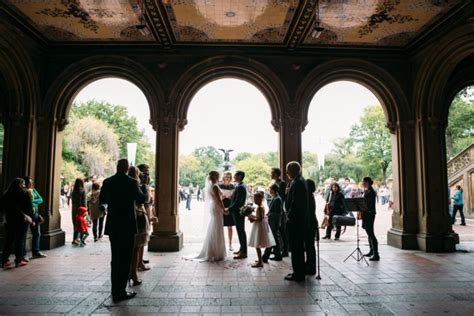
(81,225)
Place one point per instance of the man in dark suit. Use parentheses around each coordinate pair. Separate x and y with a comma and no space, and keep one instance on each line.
(238,200)
(298,216)
(276,177)
(120,193)
(274,221)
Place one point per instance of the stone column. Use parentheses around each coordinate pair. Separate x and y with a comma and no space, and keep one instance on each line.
(166,235)
(404,228)
(435,229)
(49,150)
(18,152)
(290,131)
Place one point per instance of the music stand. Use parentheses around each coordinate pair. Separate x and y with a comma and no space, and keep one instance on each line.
(356,205)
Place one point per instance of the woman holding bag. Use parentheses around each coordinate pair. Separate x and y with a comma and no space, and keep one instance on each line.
(78,197)
(17,206)
(36,201)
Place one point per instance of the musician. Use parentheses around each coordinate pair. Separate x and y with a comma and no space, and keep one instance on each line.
(368,218)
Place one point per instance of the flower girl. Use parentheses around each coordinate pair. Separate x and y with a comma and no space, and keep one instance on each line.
(261,235)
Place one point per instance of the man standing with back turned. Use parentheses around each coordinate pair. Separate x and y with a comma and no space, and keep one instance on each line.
(120,193)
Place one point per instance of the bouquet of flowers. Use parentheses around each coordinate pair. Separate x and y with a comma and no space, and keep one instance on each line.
(247,209)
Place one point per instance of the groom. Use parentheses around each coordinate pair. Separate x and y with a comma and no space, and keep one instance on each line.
(238,200)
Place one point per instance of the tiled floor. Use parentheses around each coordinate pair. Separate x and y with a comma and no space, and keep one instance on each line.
(76,281)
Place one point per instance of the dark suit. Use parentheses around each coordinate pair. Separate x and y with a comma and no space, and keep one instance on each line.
(238,200)
(311,234)
(274,220)
(368,219)
(283,234)
(298,216)
(120,193)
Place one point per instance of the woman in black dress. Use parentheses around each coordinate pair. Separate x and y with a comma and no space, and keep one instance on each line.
(336,204)
(369,218)
(227,189)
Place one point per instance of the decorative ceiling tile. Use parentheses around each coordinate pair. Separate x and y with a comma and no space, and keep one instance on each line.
(80,20)
(376,22)
(240,21)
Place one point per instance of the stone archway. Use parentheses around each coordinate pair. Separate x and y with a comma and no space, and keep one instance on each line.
(57,104)
(397,113)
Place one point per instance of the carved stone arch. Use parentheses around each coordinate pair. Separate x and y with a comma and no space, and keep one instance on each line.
(432,89)
(221,67)
(70,82)
(374,78)
(19,76)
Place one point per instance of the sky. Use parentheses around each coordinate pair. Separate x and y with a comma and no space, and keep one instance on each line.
(233,114)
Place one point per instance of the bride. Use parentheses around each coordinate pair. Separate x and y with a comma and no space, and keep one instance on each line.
(213,248)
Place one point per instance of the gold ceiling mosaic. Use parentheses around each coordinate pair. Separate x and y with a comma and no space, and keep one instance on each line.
(241,22)
(84,19)
(265,21)
(376,22)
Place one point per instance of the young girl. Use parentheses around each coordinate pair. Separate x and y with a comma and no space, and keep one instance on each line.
(261,235)
(81,225)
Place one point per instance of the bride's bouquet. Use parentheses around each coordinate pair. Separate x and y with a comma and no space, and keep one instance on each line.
(247,209)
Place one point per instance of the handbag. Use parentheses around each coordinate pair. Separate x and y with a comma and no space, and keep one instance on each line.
(325,222)
(27,219)
(343,220)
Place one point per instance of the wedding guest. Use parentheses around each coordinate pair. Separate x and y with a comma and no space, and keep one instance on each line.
(121,193)
(145,180)
(261,236)
(189,196)
(368,218)
(141,236)
(274,220)
(336,204)
(238,200)
(297,210)
(312,231)
(227,189)
(16,204)
(276,177)
(96,210)
(347,188)
(81,227)
(78,198)
(458,205)
(36,201)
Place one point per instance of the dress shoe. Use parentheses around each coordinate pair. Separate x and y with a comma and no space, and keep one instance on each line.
(240,256)
(463,224)
(276,258)
(264,259)
(336,238)
(39,255)
(237,252)
(293,278)
(146,261)
(327,237)
(375,258)
(126,296)
(369,254)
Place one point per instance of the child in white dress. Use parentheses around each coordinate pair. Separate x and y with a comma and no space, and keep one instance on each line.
(261,235)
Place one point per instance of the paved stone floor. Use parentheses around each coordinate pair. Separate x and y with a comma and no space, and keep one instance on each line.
(76,281)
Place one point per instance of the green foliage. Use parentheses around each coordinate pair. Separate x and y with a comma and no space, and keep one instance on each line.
(372,139)
(93,146)
(257,171)
(460,130)
(70,172)
(311,166)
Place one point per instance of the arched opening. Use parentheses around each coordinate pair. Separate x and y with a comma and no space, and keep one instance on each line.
(232,115)
(460,167)
(108,120)
(346,139)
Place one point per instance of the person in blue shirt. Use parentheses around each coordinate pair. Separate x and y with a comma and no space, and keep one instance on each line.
(458,205)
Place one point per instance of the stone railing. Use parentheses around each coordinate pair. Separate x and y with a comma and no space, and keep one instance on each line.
(461,161)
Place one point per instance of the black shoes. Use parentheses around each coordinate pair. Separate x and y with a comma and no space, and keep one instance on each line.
(375,258)
(291,277)
(327,237)
(276,258)
(123,297)
(264,259)
(146,261)
(369,254)
(284,254)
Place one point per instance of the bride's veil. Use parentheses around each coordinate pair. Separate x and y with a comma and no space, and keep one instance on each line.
(208,204)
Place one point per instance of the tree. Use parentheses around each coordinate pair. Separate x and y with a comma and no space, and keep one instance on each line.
(190,171)
(92,145)
(209,158)
(373,139)
(124,125)
(70,172)
(257,171)
(311,166)
(460,129)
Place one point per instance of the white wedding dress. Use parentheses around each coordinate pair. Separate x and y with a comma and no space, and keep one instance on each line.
(213,247)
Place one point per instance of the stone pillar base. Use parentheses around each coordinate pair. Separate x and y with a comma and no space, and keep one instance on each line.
(437,243)
(166,242)
(52,239)
(403,240)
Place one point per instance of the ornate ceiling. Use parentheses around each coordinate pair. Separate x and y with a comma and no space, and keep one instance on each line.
(289,23)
